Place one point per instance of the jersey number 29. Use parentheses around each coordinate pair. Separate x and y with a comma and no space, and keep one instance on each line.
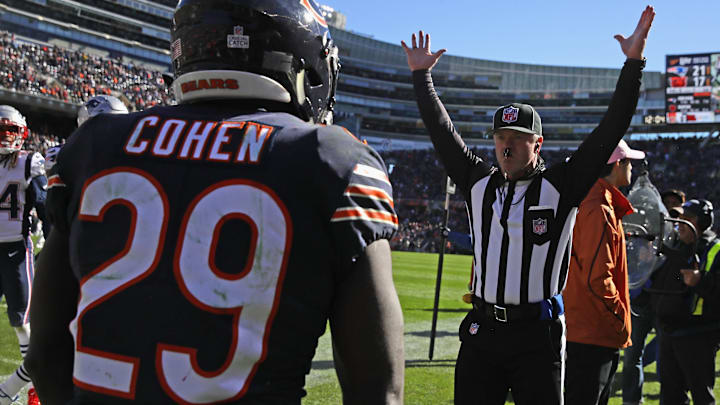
(254,291)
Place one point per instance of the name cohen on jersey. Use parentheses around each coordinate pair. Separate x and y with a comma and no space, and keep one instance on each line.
(198,140)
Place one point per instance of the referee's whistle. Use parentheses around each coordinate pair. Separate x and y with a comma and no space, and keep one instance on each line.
(507,153)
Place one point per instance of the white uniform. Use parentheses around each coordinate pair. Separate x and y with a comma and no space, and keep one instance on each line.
(14,183)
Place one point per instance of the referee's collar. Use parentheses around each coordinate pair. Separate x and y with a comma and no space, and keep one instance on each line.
(539,168)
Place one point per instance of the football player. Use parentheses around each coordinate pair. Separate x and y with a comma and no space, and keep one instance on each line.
(199,250)
(96,105)
(23,182)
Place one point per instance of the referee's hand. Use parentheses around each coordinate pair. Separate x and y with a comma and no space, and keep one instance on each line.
(419,56)
(634,45)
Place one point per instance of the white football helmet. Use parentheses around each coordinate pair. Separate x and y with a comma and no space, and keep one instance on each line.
(98,105)
(13,129)
(51,157)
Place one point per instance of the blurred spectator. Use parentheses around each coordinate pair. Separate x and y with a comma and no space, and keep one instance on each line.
(74,76)
(673,199)
(418,178)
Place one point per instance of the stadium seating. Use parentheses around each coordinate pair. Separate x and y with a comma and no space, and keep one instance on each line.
(688,164)
(74,76)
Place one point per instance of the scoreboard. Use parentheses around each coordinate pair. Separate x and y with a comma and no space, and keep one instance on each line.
(692,88)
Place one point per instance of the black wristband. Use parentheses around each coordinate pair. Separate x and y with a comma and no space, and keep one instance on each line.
(642,61)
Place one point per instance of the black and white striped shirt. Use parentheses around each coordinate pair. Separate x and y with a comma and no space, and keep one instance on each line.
(522,230)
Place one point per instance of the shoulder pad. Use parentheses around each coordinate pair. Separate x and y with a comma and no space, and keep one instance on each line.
(51,157)
(37,165)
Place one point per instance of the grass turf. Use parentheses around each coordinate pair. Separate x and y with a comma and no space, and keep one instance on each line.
(431,382)
(426,382)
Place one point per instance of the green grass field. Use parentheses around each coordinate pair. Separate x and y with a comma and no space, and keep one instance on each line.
(431,382)
(426,382)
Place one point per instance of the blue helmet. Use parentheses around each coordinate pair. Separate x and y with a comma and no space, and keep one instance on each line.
(278,53)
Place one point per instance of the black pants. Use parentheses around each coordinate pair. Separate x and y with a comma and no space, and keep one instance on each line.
(525,357)
(688,363)
(590,373)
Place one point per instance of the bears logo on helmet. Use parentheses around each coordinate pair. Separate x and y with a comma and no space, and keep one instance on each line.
(13,129)
(279,52)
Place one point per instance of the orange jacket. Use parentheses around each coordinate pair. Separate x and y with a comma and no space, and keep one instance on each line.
(597,301)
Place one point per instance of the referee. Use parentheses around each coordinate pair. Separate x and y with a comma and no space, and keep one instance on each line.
(521,216)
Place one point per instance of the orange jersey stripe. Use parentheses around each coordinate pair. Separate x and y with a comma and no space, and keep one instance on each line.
(374,193)
(348,214)
(55,181)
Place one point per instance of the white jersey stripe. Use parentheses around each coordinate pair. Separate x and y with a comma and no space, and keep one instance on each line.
(365,214)
(364,218)
(513,275)
(371,172)
(564,238)
(478,196)
(373,193)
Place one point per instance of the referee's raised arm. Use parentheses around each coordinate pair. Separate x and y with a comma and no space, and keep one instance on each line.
(457,158)
(592,155)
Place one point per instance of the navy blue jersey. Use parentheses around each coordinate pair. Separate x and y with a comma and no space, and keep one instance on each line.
(208,245)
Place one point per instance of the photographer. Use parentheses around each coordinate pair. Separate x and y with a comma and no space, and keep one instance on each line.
(686,299)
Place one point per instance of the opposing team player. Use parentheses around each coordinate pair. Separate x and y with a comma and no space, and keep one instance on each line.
(209,243)
(101,104)
(94,106)
(23,182)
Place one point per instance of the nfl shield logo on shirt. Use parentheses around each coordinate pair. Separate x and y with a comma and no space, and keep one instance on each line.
(510,114)
(474,328)
(539,226)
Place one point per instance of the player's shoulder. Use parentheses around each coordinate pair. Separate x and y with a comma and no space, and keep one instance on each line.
(33,162)
(341,149)
(333,144)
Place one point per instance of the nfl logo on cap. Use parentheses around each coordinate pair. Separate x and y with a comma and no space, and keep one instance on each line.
(517,117)
(510,114)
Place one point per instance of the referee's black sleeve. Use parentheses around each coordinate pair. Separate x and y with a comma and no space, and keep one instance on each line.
(587,162)
(459,161)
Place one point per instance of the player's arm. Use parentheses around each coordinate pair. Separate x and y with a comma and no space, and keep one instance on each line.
(587,162)
(37,189)
(457,158)
(365,316)
(367,331)
(49,359)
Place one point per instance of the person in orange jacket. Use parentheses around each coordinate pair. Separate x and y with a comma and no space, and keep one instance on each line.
(597,301)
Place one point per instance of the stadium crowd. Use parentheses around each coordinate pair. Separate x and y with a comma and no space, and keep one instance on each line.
(417,176)
(75,76)
(688,164)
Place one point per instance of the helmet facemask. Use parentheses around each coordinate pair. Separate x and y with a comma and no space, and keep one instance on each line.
(13,130)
